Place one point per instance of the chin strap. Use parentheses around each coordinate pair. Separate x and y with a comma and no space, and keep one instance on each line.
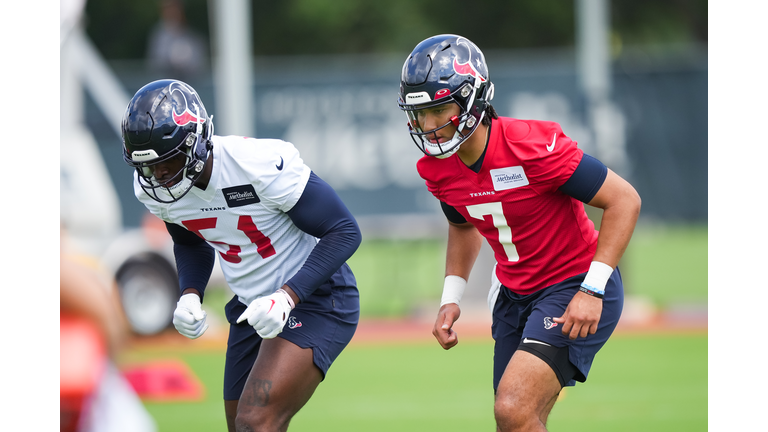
(449,154)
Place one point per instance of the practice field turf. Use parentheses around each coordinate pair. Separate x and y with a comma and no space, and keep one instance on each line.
(639,382)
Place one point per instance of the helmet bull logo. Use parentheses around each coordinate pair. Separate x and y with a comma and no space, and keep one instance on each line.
(187,116)
(467,68)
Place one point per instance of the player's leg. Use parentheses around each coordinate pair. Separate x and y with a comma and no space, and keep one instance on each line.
(529,372)
(315,334)
(243,346)
(526,394)
(230,411)
(526,387)
(237,379)
(280,383)
(231,406)
(544,360)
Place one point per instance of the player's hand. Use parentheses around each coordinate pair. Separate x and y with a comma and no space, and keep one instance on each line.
(268,314)
(443,329)
(189,316)
(581,316)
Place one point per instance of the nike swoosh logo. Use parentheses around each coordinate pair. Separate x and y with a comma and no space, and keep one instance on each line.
(271,306)
(552,147)
(280,167)
(526,340)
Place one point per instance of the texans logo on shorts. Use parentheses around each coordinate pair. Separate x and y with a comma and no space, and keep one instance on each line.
(548,323)
(292,323)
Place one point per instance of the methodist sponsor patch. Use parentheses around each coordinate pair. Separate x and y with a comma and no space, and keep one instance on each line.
(508,178)
(238,196)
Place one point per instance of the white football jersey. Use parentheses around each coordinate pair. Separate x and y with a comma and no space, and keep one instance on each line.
(241,214)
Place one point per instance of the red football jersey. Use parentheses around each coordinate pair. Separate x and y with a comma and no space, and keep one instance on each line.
(539,235)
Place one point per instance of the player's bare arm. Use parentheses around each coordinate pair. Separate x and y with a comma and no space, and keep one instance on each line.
(464,243)
(621,207)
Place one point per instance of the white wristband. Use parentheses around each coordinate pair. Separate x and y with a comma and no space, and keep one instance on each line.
(288,296)
(453,289)
(597,277)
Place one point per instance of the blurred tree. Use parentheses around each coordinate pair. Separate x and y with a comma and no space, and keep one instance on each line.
(121,29)
(660,21)
(354,26)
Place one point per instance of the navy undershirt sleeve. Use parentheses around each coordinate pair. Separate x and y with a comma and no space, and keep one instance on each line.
(194,258)
(321,213)
(586,180)
(452,214)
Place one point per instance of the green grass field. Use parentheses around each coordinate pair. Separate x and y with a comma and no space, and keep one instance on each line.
(639,382)
(667,264)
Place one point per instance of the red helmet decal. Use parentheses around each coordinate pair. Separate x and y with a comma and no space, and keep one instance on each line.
(466,69)
(442,93)
(186,117)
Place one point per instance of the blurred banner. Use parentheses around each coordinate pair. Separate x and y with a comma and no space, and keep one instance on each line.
(341,113)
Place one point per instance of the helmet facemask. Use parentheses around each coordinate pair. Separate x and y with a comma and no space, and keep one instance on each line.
(466,122)
(194,149)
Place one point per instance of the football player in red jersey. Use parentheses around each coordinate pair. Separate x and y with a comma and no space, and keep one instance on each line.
(557,293)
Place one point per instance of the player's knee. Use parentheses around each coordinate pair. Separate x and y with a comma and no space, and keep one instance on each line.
(243,425)
(511,415)
(258,422)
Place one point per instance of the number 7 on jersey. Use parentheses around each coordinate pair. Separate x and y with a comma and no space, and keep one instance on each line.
(494,209)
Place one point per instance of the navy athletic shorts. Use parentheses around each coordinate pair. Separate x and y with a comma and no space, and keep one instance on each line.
(531,316)
(325,322)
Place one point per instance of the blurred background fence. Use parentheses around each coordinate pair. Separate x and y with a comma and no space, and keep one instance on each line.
(341,112)
(325,74)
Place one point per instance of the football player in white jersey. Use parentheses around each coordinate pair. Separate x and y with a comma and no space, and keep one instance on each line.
(282,235)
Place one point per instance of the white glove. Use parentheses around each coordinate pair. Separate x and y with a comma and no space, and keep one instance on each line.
(268,314)
(189,316)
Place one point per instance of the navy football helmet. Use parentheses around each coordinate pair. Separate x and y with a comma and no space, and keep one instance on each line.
(445,69)
(167,119)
